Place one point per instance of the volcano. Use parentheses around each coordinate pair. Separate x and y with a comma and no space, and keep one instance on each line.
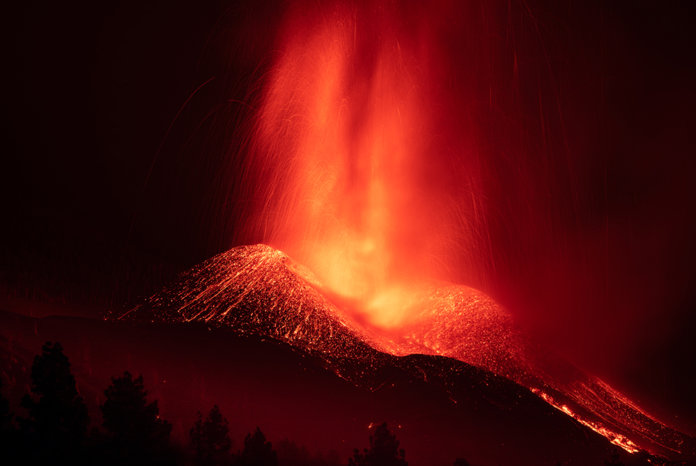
(261,292)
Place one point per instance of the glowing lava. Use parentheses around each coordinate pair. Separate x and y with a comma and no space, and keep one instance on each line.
(362,170)
(344,148)
(259,290)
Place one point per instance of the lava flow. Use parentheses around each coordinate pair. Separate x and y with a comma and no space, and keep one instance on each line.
(258,290)
(364,166)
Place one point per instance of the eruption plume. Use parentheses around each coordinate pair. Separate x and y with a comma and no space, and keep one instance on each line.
(353,178)
(388,159)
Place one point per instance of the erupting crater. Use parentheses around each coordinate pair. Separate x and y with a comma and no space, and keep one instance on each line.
(259,290)
(365,162)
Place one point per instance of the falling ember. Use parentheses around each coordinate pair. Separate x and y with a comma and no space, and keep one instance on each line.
(258,290)
(353,184)
(366,165)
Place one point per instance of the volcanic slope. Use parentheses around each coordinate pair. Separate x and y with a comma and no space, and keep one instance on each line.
(439,407)
(259,290)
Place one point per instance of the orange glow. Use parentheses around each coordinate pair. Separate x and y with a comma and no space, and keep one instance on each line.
(617,439)
(261,290)
(364,166)
(344,131)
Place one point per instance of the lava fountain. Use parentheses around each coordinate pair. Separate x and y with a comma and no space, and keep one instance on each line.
(366,165)
(354,183)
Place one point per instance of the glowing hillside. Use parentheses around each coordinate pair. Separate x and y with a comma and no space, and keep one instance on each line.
(260,290)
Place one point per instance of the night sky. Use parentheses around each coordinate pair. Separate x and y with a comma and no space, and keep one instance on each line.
(124,121)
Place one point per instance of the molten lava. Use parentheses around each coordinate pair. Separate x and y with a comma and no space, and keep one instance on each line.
(344,144)
(362,169)
(260,291)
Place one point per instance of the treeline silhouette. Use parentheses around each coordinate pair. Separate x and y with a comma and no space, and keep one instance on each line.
(56,429)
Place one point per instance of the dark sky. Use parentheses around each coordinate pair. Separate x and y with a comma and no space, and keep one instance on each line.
(110,189)
(101,188)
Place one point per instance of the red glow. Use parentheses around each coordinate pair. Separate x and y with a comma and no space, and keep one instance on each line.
(616,439)
(370,167)
(260,290)
(345,139)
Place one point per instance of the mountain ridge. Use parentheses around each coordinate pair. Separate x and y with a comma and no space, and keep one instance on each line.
(260,290)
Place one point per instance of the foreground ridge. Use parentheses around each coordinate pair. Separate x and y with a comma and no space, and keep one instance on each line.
(259,290)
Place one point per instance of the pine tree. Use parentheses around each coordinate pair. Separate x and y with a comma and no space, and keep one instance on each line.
(257,451)
(58,419)
(384,450)
(210,439)
(136,433)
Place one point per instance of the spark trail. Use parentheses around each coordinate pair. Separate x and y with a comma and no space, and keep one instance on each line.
(260,291)
(366,165)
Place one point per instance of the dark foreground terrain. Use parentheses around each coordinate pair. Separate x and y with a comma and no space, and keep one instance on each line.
(439,408)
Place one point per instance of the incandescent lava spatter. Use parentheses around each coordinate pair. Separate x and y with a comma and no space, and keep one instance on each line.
(259,290)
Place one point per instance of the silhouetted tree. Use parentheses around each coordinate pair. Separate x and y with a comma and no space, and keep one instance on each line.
(57,422)
(384,450)
(136,434)
(210,439)
(257,451)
